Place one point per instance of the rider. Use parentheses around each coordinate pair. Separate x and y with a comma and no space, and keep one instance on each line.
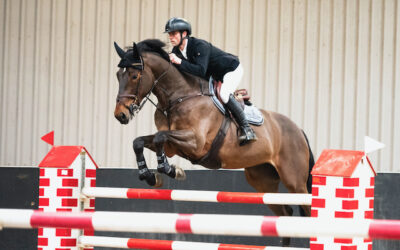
(201,58)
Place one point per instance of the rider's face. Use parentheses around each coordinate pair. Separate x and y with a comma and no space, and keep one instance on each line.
(174,37)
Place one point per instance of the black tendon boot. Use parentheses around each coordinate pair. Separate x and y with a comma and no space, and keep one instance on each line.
(246,133)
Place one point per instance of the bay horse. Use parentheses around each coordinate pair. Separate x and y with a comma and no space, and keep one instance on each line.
(188,121)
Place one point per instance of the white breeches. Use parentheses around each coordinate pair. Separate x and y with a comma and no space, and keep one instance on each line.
(230,82)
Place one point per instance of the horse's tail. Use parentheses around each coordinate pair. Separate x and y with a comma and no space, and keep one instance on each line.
(311,163)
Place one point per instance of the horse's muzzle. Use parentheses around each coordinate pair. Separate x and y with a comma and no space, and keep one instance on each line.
(122,118)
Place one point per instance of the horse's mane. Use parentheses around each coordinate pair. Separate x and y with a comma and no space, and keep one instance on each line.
(152,45)
(157,46)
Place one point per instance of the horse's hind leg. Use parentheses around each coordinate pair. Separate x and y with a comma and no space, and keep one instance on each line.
(265,179)
(294,172)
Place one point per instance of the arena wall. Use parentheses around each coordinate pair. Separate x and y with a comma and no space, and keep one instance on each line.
(331,66)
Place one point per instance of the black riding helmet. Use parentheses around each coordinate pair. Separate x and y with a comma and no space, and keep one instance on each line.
(178,24)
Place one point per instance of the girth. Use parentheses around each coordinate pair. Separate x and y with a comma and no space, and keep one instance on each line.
(211,159)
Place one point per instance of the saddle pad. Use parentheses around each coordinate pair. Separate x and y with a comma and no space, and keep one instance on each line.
(253,114)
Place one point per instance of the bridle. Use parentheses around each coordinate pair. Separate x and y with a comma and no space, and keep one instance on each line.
(134,107)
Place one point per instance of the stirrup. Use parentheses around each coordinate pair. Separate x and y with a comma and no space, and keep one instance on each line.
(247,135)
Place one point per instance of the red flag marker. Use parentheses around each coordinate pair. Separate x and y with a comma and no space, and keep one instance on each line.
(49,138)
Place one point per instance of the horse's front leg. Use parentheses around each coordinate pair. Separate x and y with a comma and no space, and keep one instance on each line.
(182,141)
(144,173)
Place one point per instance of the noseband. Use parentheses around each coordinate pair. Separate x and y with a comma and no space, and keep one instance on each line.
(134,107)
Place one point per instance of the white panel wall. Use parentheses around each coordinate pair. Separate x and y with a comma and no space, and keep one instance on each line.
(331,65)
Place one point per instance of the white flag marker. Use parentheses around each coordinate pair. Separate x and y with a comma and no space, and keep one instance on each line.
(371,145)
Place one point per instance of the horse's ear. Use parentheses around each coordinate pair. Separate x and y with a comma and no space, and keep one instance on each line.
(135,51)
(120,51)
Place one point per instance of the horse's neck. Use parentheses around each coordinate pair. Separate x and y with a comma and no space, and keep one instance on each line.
(173,84)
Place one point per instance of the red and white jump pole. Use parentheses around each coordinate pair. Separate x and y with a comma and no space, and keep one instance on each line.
(212,224)
(131,243)
(198,196)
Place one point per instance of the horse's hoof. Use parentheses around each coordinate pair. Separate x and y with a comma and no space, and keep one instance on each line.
(180,174)
(159,180)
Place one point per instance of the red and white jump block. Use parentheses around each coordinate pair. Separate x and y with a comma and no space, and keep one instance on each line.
(343,187)
(64,171)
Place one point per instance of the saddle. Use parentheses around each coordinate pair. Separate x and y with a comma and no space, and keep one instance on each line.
(241,95)
(213,89)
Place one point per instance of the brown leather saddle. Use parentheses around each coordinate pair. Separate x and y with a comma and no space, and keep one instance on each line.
(241,95)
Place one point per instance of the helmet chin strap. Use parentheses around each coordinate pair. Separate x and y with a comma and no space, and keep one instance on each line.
(182,38)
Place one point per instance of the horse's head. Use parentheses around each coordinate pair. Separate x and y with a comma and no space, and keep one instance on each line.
(133,86)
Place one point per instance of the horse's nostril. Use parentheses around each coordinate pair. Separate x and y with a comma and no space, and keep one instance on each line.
(123,116)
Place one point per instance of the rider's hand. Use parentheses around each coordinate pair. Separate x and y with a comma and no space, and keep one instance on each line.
(175,59)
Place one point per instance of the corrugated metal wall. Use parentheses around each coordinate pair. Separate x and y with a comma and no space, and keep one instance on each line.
(332,66)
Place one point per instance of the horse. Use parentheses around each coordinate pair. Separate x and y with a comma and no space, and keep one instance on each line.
(188,123)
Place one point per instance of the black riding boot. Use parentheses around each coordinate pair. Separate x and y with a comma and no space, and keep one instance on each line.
(246,133)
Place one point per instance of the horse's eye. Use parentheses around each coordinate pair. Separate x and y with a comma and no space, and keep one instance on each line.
(134,77)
